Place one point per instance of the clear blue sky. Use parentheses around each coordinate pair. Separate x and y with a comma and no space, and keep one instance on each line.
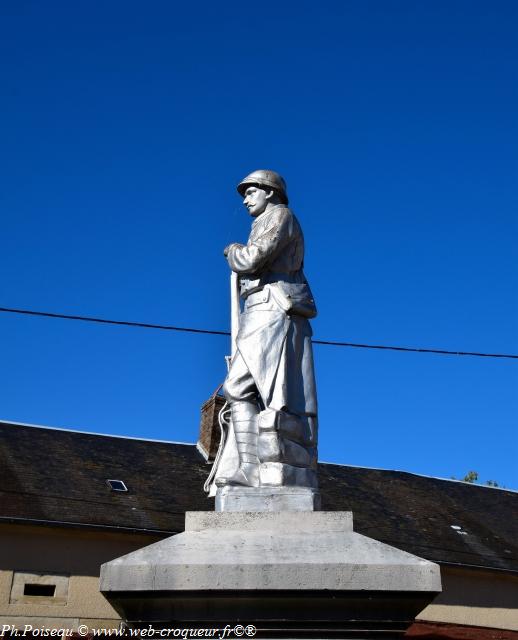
(125,127)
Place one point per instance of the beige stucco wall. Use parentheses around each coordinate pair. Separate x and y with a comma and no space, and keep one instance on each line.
(475,597)
(73,553)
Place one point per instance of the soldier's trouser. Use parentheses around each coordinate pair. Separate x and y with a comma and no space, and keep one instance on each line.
(239,385)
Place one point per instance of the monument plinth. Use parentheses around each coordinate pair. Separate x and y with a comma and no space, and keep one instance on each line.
(290,574)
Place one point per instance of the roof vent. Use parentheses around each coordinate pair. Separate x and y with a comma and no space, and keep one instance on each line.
(116,485)
(458,529)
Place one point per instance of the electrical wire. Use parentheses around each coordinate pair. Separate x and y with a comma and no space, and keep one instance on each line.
(165,327)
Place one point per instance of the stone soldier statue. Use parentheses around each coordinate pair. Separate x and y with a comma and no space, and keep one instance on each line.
(270,386)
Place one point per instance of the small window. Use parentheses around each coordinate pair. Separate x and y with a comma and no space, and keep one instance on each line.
(116,485)
(39,588)
(42,590)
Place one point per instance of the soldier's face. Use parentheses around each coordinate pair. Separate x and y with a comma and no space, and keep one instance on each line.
(256,200)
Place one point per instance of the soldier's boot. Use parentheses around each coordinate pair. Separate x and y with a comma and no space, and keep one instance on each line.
(244,420)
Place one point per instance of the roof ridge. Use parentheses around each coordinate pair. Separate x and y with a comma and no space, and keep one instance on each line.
(419,475)
(91,433)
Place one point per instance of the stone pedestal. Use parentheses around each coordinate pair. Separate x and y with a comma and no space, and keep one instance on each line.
(290,574)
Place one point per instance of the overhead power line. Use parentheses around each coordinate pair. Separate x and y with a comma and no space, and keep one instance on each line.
(167,327)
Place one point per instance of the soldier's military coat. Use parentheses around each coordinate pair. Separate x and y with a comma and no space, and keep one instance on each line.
(274,339)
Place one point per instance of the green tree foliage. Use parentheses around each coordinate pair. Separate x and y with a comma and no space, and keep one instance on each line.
(471,477)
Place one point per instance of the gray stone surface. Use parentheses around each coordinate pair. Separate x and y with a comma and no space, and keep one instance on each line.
(281,523)
(269,551)
(264,499)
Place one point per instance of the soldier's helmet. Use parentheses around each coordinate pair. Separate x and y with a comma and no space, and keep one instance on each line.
(265,178)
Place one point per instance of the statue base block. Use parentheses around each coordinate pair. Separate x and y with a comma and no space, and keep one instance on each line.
(280,474)
(290,575)
(234,498)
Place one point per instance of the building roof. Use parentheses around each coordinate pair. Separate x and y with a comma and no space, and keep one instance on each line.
(57,476)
